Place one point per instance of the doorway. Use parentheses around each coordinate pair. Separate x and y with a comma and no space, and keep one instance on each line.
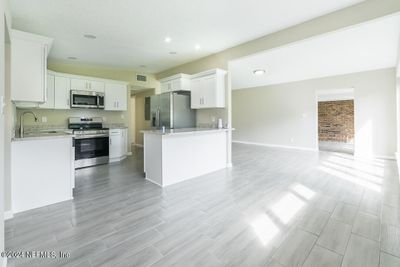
(336,120)
(138,119)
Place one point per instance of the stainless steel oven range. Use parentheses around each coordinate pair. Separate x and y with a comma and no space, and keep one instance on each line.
(91,141)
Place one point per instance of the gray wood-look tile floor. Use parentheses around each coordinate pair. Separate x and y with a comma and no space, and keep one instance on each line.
(275,207)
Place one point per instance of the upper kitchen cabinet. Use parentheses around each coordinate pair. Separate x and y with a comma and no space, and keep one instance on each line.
(208,89)
(49,104)
(179,82)
(116,97)
(29,67)
(62,93)
(87,85)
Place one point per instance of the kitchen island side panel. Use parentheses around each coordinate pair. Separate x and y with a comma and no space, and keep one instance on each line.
(192,155)
(153,158)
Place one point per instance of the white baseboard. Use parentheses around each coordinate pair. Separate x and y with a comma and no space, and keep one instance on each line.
(229,165)
(276,146)
(8,214)
(153,182)
(5,261)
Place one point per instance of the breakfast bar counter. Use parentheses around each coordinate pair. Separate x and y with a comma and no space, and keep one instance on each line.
(176,155)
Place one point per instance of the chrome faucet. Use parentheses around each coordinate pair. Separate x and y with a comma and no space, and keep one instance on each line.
(21,122)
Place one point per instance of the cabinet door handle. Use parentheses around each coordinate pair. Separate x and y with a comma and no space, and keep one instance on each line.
(110,141)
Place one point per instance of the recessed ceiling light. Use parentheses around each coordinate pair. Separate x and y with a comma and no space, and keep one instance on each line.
(259,72)
(90,36)
(173,53)
(167,39)
(197,47)
(72,58)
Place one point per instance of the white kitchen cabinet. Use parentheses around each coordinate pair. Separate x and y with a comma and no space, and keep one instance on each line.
(118,144)
(179,82)
(195,94)
(29,67)
(116,97)
(41,172)
(208,89)
(62,92)
(87,85)
(49,104)
(96,86)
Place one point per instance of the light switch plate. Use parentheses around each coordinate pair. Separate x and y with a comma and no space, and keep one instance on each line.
(44,119)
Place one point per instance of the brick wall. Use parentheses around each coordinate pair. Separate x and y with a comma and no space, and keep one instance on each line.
(336,121)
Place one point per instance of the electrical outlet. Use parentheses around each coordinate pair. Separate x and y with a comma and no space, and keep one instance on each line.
(213,119)
(122,116)
(104,119)
(44,119)
(291,140)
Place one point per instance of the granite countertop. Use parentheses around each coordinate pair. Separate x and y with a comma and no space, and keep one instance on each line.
(40,135)
(186,131)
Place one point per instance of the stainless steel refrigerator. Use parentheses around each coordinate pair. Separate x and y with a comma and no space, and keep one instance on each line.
(172,110)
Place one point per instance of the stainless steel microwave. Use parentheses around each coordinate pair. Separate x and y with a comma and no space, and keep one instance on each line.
(87,99)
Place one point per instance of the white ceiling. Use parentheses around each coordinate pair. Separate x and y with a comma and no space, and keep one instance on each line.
(131,33)
(363,47)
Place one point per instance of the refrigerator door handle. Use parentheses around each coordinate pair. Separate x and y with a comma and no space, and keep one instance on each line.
(158,117)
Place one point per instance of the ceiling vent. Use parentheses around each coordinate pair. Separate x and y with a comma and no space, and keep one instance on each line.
(141,78)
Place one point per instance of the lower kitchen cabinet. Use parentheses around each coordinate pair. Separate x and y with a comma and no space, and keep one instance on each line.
(118,144)
(42,172)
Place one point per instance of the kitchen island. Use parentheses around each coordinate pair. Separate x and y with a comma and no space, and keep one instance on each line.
(176,155)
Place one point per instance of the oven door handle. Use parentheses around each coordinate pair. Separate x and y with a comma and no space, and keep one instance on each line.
(91,136)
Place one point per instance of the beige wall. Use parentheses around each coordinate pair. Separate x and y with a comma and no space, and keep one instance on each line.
(140,122)
(286,114)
